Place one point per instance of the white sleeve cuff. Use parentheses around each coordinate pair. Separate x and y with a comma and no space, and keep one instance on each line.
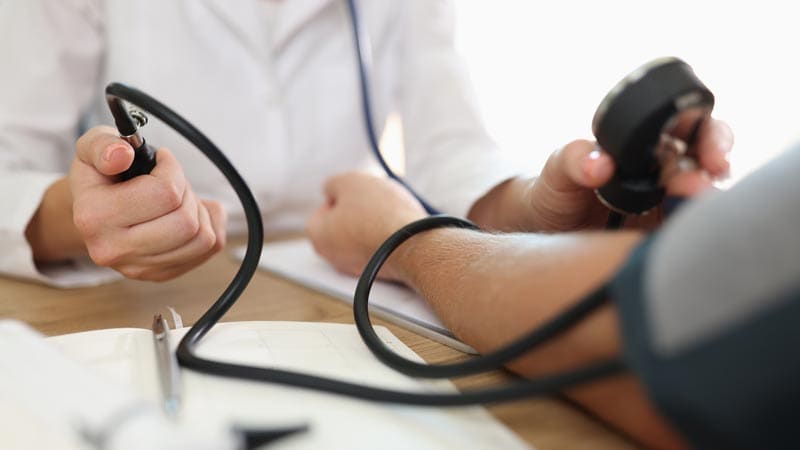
(454,187)
(20,194)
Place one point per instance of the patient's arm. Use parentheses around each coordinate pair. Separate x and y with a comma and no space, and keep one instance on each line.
(491,289)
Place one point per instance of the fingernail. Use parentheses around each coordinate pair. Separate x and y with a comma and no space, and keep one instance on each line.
(590,163)
(600,167)
(725,164)
(113,153)
(719,165)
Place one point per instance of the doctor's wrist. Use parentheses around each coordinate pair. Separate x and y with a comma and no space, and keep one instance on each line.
(51,232)
(506,207)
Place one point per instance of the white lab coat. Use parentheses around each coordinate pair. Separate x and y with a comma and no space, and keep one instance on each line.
(283,102)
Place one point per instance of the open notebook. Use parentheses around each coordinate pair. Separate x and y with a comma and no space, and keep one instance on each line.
(296,260)
(126,356)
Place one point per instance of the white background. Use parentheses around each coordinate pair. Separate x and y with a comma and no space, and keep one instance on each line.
(541,68)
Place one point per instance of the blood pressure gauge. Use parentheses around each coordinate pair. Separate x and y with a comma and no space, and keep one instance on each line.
(659,103)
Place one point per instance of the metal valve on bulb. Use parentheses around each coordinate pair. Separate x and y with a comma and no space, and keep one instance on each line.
(128,123)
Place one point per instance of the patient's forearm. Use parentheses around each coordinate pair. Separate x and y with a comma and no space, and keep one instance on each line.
(491,289)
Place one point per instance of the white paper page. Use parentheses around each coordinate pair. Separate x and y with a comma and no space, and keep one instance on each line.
(49,400)
(296,260)
(333,350)
(126,355)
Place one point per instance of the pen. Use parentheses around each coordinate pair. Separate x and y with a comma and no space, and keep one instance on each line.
(167,367)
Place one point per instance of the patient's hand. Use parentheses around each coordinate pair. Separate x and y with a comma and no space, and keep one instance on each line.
(361,211)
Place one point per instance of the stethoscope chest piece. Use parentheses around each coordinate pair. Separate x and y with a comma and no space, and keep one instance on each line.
(631,122)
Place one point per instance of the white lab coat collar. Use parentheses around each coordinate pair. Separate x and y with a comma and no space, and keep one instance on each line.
(244,21)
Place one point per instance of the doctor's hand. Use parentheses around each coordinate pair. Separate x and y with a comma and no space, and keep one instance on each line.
(361,211)
(562,198)
(151,227)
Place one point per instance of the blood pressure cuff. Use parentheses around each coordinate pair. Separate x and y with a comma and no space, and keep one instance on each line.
(710,313)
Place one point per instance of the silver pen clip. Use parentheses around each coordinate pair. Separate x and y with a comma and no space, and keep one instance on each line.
(167,365)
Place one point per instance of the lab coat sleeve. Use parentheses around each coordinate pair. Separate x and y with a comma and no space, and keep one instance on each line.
(50,55)
(450,158)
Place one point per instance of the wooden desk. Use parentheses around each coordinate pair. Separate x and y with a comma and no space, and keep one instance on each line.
(547,424)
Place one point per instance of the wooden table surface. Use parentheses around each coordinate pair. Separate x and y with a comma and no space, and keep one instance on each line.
(545,423)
